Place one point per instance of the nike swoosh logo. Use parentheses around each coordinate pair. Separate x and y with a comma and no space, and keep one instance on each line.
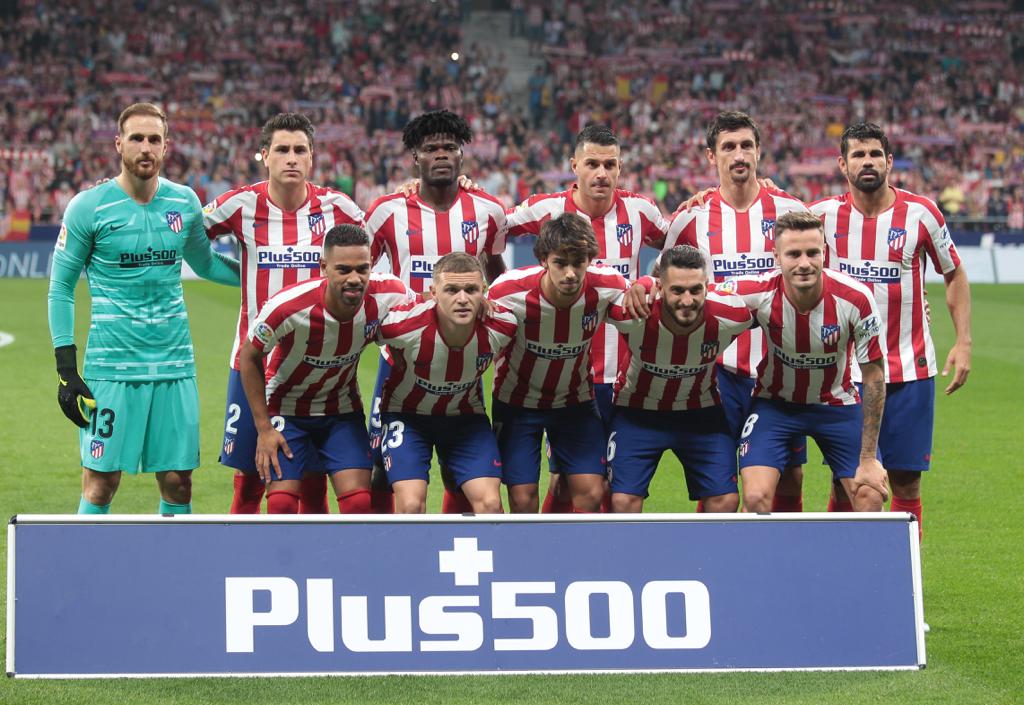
(259,224)
(117,227)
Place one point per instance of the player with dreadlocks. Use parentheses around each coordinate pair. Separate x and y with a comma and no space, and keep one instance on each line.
(417,229)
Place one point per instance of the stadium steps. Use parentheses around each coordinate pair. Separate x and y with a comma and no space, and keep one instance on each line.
(490,28)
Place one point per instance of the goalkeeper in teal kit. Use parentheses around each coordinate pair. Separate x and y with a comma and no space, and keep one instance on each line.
(137,406)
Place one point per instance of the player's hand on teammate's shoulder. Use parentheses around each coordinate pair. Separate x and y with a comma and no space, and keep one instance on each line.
(412,186)
(767,183)
(696,200)
(268,443)
(99,182)
(637,301)
(958,360)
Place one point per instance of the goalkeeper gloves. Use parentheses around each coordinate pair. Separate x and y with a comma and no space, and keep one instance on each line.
(73,395)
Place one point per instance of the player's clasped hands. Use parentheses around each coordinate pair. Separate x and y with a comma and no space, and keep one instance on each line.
(268,444)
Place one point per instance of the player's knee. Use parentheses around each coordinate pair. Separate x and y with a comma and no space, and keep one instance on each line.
(868,499)
(522,499)
(757,499)
(489,504)
(588,498)
(99,487)
(623,503)
(722,504)
(410,505)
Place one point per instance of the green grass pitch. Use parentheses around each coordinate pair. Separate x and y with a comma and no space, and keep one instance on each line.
(973,565)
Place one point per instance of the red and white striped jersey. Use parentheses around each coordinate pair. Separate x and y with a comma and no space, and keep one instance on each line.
(668,372)
(414,236)
(313,356)
(631,222)
(548,364)
(278,247)
(887,254)
(810,354)
(428,376)
(735,243)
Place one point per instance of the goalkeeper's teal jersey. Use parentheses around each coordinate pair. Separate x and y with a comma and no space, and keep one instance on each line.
(132,256)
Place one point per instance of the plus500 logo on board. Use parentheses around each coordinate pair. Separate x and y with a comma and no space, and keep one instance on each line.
(457,622)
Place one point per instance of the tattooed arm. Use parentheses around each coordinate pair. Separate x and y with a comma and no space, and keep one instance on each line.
(871,476)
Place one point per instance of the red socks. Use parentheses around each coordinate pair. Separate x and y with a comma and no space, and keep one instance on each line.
(787,503)
(382,501)
(843,505)
(455,502)
(356,502)
(313,494)
(281,502)
(555,506)
(909,505)
(248,494)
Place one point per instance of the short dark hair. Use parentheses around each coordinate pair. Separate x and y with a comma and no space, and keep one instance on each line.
(682,257)
(436,122)
(863,131)
(730,121)
(457,263)
(568,234)
(147,109)
(289,122)
(347,235)
(798,220)
(595,134)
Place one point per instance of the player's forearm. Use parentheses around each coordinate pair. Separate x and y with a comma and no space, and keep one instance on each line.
(60,304)
(958,301)
(873,403)
(212,265)
(250,369)
(494,266)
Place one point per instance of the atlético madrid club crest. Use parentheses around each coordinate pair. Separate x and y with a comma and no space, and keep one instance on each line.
(470,231)
(897,238)
(830,334)
(174,221)
(590,321)
(768,228)
(624,234)
(317,226)
(483,360)
(709,350)
(96,449)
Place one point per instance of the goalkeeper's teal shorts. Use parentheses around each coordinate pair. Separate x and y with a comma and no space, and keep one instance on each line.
(142,426)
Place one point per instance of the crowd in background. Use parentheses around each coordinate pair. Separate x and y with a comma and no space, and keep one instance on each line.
(946,83)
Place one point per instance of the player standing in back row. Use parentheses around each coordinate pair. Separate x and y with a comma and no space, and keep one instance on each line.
(622,222)
(735,230)
(280,226)
(138,406)
(414,231)
(881,236)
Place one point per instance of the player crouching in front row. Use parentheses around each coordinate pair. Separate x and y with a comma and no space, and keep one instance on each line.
(668,397)
(307,402)
(433,396)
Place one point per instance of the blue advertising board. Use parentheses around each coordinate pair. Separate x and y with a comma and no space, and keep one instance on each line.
(223,595)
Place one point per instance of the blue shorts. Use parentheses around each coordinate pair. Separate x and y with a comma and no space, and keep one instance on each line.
(376,427)
(700,438)
(905,438)
(604,395)
(331,443)
(576,435)
(773,426)
(465,446)
(238,450)
(735,392)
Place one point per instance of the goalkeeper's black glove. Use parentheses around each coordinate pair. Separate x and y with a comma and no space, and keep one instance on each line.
(73,395)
